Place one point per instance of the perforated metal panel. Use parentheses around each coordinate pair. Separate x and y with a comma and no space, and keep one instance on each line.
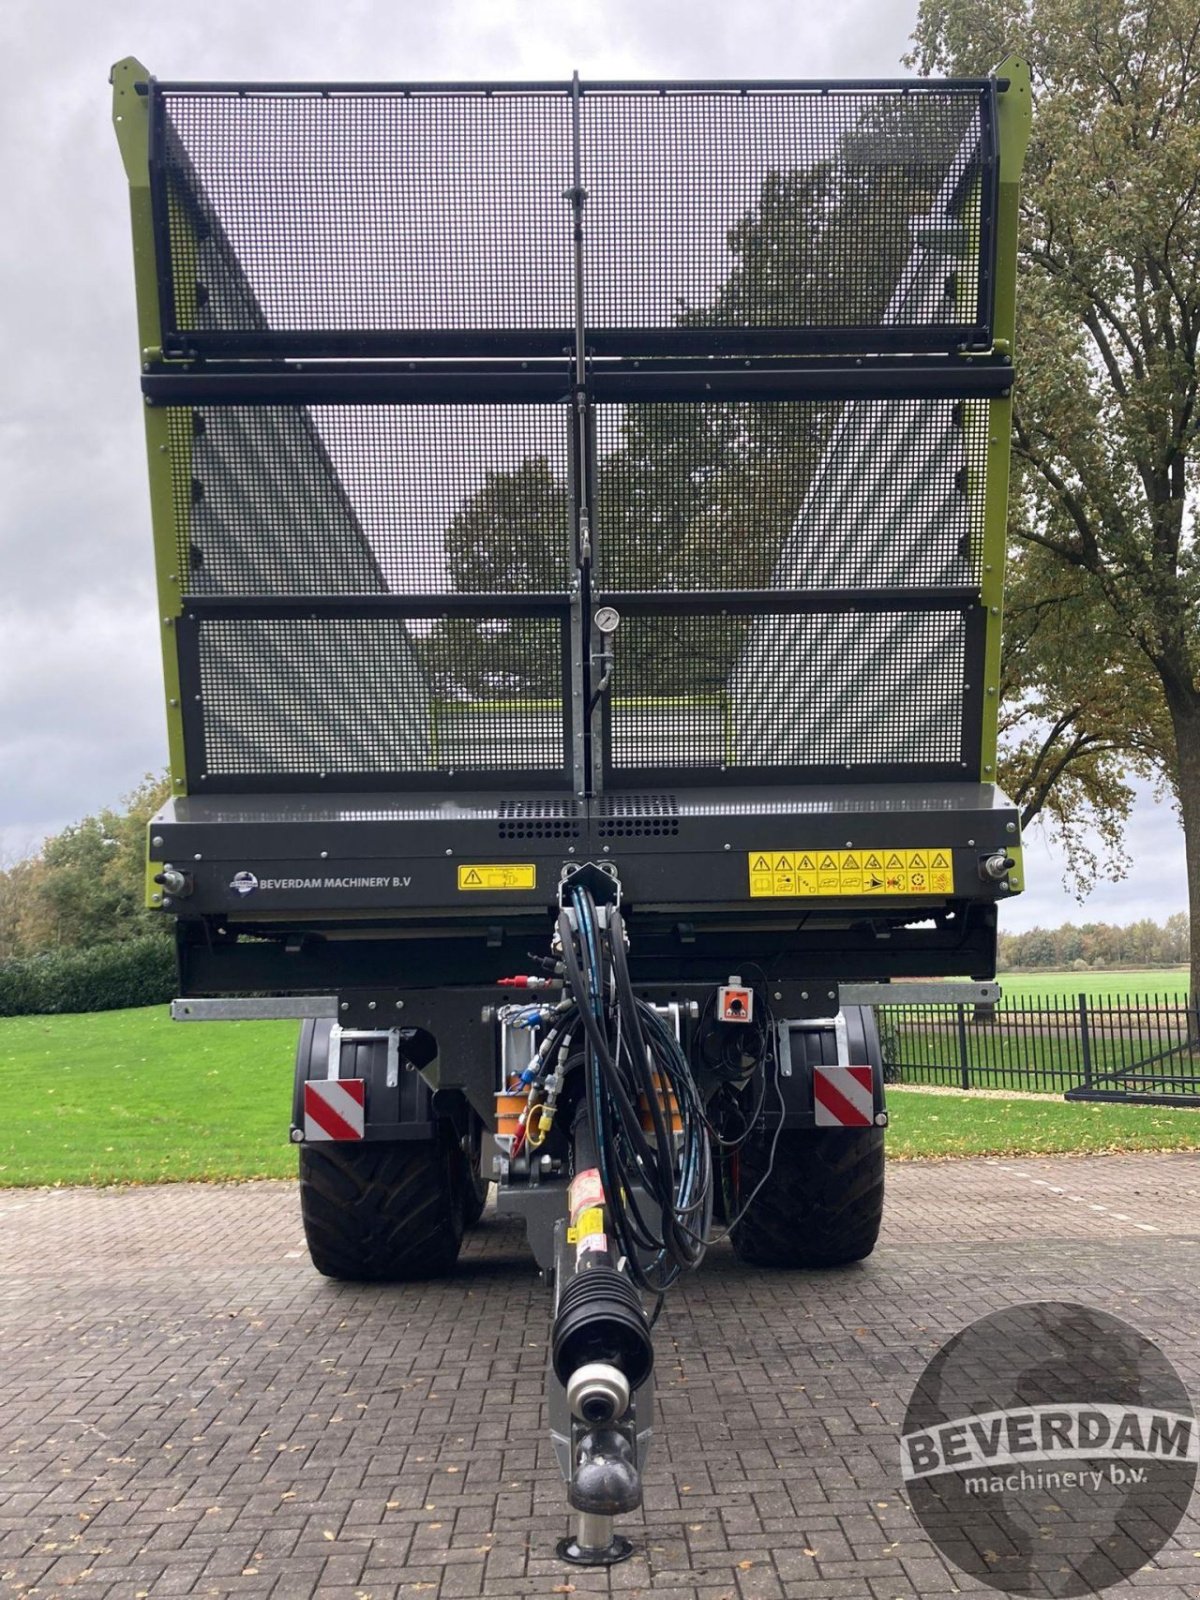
(392,548)
(719,694)
(695,195)
(790,495)
(303,701)
(368,210)
(435,212)
(416,500)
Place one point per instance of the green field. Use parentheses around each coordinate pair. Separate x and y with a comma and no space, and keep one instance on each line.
(945,1125)
(1067,985)
(131,1097)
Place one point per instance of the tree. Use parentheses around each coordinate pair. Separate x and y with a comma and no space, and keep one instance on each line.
(1108,326)
(85,886)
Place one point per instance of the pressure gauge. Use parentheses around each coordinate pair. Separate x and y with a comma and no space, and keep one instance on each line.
(607,619)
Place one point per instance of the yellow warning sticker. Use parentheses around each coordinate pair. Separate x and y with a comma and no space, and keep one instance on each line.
(829,874)
(590,1221)
(502,876)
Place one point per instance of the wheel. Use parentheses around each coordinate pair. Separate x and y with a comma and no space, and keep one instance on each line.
(822,1204)
(474,1185)
(383,1212)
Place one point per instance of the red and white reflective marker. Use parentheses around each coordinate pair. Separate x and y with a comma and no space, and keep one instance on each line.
(335,1108)
(843,1097)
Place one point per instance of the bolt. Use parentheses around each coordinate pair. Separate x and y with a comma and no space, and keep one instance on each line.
(197,856)
(370,1005)
(727,847)
(399,1005)
(449,852)
(345,1006)
(324,855)
(778,996)
(297,1136)
(606,849)
(831,994)
(156,898)
(1010,827)
(157,841)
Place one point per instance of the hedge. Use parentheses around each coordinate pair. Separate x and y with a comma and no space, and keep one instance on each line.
(108,977)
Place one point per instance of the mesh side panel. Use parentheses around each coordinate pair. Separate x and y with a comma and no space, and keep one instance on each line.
(413,500)
(789,691)
(296,696)
(790,495)
(311,211)
(784,209)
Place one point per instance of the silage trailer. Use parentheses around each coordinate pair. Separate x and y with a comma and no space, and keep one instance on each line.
(579,524)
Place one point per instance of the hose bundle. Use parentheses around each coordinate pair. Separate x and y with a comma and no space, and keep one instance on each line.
(659,1204)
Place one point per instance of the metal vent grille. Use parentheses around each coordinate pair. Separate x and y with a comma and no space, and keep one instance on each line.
(695,198)
(329,697)
(409,499)
(790,495)
(637,816)
(789,691)
(542,819)
(397,209)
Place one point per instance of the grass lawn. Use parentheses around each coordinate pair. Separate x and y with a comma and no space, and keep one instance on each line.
(1036,986)
(978,1125)
(131,1097)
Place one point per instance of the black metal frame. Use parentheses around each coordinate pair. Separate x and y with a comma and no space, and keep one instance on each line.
(812,602)
(371,344)
(589,366)
(248,383)
(199,609)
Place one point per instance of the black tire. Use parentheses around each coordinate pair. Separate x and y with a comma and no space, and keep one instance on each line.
(474,1185)
(380,1212)
(822,1204)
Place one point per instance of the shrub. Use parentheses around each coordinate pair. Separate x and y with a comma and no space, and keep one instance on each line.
(107,977)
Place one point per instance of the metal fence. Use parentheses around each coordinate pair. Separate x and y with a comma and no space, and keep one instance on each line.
(1135,1047)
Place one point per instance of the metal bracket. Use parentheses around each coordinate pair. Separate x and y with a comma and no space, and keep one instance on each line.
(919,994)
(339,1036)
(807,1024)
(256,1008)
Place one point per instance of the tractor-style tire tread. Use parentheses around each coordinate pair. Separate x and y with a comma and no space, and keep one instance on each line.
(822,1204)
(383,1212)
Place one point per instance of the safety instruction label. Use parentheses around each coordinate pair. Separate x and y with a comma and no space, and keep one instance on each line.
(502,876)
(792,874)
(590,1222)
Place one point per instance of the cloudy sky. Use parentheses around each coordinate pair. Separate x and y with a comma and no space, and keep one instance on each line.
(80,703)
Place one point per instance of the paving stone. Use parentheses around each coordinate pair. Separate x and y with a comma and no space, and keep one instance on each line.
(188,1409)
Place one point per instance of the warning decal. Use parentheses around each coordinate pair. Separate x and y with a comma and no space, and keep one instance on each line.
(843,1097)
(503,876)
(785,874)
(334,1108)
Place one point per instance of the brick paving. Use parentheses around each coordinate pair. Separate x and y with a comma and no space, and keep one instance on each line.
(189,1410)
